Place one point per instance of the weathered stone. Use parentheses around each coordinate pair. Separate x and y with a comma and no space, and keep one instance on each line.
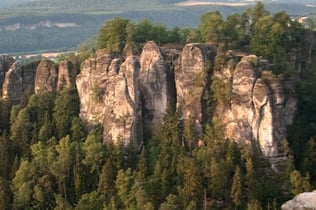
(122,108)
(19,81)
(257,110)
(12,86)
(46,76)
(5,64)
(191,79)
(28,78)
(109,95)
(91,84)
(156,85)
(303,201)
(65,74)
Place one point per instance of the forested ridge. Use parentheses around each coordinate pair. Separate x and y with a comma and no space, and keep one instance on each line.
(18,19)
(50,159)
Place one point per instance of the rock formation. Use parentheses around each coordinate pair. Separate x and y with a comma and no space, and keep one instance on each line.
(128,99)
(19,81)
(130,94)
(258,110)
(5,64)
(46,76)
(65,74)
(303,201)
(109,95)
(192,77)
(156,85)
(12,85)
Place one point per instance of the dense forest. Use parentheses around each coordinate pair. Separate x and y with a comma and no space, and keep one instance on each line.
(51,160)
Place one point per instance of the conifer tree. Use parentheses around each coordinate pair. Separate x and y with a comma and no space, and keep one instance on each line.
(236,191)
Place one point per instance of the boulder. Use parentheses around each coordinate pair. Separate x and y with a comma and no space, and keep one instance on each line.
(303,201)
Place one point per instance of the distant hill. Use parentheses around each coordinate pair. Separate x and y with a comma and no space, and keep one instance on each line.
(40,25)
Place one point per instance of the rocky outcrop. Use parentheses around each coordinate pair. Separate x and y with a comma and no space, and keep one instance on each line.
(66,74)
(5,64)
(90,84)
(259,110)
(303,201)
(109,95)
(156,85)
(130,98)
(192,77)
(129,95)
(46,76)
(19,81)
(12,85)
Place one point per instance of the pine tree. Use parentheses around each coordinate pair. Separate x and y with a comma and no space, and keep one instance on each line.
(236,191)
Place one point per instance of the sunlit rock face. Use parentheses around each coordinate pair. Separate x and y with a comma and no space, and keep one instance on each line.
(5,64)
(109,95)
(259,109)
(303,201)
(46,76)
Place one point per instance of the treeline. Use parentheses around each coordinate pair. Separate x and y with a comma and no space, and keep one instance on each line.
(255,31)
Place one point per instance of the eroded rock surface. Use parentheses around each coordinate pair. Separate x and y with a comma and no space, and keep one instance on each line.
(303,201)
(5,64)
(191,79)
(109,95)
(259,110)
(65,74)
(19,81)
(12,85)
(46,76)
(156,85)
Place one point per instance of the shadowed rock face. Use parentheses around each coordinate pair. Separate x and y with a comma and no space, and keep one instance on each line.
(12,85)
(191,80)
(19,81)
(65,74)
(156,85)
(5,64)
(46,76)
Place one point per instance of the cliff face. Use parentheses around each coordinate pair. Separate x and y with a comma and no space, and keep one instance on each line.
(192,78)
(259,110)
(130,96)
(109,95)
(5,64)
(66,74)
(46,76)
(18,81)
(156,85)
